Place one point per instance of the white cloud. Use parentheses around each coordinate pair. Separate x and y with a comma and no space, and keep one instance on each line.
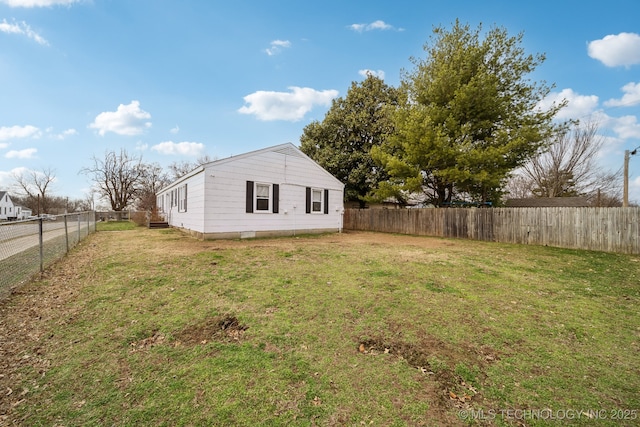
(631,96)
(141,146)
(616,50)
(68,132)
(27,153)
(7,179)
(277,46)
(3,145)
(180,148)
(375,25)
(175,130)
(578,105)
(126,120)
(625,127)
(21,28)
(15,132)
(611,144)
(38,3)
(379,74)
(290,106)
(63,135)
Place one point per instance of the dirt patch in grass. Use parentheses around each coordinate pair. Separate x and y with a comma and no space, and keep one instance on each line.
(147,343)
(456,372)
(226,328)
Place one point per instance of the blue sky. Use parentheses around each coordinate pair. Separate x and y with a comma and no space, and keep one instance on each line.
(174,80)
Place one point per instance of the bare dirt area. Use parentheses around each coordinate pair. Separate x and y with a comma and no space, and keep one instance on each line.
(28,317)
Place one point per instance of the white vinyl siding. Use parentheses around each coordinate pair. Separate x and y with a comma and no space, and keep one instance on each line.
(227,195)
(182,204)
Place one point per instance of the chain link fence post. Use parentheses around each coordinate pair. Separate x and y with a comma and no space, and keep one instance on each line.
(28,247)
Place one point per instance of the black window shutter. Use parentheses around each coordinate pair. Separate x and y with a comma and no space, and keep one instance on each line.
(308,200)
(326,201)
(276,198)
(249,197)
(185,197)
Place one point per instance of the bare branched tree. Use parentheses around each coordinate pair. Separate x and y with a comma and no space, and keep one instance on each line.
(179,169)
(518,186)
(152,180)
(88,202)
(569,168)
(34,186)
(117,177)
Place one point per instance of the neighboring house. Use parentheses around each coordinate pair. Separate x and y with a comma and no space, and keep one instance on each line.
(7,208)
(273,191)
(548,202)
(23,213)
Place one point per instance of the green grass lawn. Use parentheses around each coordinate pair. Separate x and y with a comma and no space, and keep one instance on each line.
(155,328)
(115,225)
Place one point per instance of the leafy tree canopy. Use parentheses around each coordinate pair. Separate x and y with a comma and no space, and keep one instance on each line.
(341,143)
(468,118)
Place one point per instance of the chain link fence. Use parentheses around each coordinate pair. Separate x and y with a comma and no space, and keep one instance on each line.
(28,247)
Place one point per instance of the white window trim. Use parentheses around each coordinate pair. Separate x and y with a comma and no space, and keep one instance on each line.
(182,198)
(160,203)
(321,191)
(255,198)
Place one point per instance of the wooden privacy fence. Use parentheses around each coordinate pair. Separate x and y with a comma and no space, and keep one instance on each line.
(599,229)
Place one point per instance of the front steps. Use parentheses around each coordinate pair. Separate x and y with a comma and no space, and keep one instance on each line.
(158,224)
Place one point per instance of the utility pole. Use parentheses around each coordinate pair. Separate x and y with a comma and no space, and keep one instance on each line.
(625,189)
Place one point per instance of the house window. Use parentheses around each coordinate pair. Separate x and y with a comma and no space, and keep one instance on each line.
(262,197)
(317,200)
(316,204)
(182,198)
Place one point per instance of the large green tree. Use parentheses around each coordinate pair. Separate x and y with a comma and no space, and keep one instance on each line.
(470,117)
(342,142)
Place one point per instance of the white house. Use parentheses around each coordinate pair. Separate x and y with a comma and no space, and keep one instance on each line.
(22,212)
(7,208)
(273,191)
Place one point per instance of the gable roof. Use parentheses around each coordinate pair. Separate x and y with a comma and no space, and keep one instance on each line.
(548,202)
(287,149)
